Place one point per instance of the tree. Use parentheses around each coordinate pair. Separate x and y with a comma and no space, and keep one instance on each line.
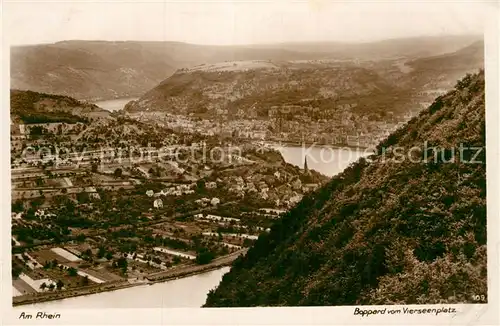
(101,252)
(39,181)
(123,264)
(72,271)
(17,206)
(43,286)
(16,271)
(81,238)
(200,185)
(88,254)
(109,255)
(52,286)
(59,284)
(118,173)
(204,256)
(85,280)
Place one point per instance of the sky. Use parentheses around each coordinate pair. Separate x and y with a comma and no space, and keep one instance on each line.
(238,22)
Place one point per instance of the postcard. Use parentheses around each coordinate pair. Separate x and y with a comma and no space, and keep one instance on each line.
(250,162)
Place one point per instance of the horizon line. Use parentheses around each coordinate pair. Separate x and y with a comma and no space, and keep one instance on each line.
(472,35)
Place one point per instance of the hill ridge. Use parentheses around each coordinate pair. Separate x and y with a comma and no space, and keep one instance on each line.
(31,107)
(121,69)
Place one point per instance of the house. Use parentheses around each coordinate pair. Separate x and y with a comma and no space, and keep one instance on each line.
(296,184)
(161,193)
(150,193)
(158,203)
(90,189)
(211,185)
(221,218)
(215,201)
(310,187)
(272,211)
(94,195)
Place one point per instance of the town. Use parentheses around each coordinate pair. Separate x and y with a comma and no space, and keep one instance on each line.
(90,214)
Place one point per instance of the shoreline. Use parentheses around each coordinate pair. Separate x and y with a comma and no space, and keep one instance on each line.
(160,277)
(316,145)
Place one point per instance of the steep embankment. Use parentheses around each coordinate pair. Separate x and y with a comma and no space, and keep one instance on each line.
(33,107)
(388,231)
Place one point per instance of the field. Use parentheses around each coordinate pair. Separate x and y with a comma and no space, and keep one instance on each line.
(22,287)
(48,255)
(103,274)
(65,254)
(235,66)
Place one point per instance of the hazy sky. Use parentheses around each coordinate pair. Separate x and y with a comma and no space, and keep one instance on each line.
(238,22)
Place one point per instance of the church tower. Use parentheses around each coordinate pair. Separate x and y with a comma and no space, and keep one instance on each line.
(306,169)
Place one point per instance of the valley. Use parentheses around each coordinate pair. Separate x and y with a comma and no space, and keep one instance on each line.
(136,163)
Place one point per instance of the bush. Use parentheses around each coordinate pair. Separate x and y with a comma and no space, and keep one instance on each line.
(204,256)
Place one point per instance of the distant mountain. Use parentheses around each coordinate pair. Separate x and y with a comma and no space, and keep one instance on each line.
(388,230)
(29,107)
(412,47)
(442,71)
(105,70)
(87,71)
(469,57)
(96,70)
(253,88)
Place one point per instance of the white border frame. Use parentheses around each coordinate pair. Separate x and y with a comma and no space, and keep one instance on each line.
(476,314)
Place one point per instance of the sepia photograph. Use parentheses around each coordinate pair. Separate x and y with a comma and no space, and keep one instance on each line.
(230,154)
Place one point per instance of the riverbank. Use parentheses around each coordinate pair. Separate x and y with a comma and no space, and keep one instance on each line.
(194,269)
(165,276)
(318,145)
(116,104)
(326,160)
(59,295)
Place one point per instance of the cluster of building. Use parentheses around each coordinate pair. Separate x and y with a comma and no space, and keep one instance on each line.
(291,123)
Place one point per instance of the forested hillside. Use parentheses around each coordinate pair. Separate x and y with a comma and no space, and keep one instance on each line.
(32,107)
(406,225)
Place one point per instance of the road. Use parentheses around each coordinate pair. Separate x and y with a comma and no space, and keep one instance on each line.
(183,271)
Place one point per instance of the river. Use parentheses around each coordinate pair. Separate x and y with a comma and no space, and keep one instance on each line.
(326,160)
(188,292)
(114,105)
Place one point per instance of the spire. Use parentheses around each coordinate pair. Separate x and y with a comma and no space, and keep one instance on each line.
(306,169)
